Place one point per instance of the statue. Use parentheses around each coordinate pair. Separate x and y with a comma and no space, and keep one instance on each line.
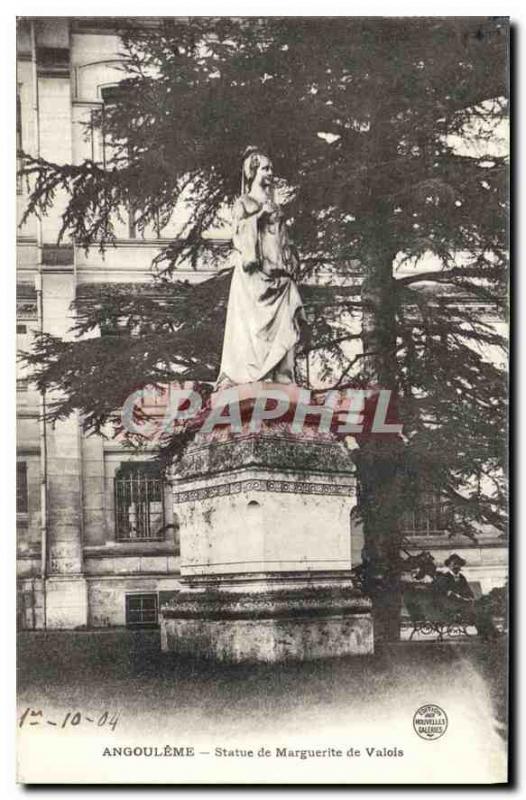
(264,306)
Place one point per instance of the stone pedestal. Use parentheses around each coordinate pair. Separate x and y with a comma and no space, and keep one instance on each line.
(265,549)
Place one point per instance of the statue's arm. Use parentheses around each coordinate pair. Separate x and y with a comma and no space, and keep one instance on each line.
(245,234)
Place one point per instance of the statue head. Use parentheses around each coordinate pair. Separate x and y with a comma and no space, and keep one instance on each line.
(257,167)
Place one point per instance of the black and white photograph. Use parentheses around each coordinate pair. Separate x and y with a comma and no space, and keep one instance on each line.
(262,351)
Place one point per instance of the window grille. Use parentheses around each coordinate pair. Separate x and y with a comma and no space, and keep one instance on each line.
(139,507)
(141,610)
(21,487)
(431,516)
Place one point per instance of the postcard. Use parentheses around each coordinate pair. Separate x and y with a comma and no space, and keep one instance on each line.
(262,299)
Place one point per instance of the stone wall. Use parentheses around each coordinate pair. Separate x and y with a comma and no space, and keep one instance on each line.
(107,597)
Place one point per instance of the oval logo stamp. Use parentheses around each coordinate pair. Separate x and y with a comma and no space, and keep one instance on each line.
(430,722)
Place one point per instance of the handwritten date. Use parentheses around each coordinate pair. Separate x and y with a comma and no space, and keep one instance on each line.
(72,719)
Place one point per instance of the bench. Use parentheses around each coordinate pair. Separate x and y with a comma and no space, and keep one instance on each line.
(429,615)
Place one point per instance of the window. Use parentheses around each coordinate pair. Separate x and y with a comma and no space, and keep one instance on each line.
(21,487)
(141,610)
(21,328)
(19,163)
(155,399)
(431,515)
(139,507)
(101,144)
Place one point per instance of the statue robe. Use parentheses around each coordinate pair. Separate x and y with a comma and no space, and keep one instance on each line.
(261,325)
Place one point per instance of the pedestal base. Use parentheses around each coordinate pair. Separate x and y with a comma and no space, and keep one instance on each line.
(268,626)
(238,641)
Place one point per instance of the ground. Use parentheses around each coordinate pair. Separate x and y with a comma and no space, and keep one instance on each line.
(364,699)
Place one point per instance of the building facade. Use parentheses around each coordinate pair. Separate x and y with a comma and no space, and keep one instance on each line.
(97,533)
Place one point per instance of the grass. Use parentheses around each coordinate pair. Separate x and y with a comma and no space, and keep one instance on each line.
(126,669)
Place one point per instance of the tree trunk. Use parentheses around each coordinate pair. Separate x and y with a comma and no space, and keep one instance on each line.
(379,456)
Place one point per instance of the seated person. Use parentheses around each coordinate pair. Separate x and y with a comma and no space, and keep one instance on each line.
(457,601)
(452,587)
